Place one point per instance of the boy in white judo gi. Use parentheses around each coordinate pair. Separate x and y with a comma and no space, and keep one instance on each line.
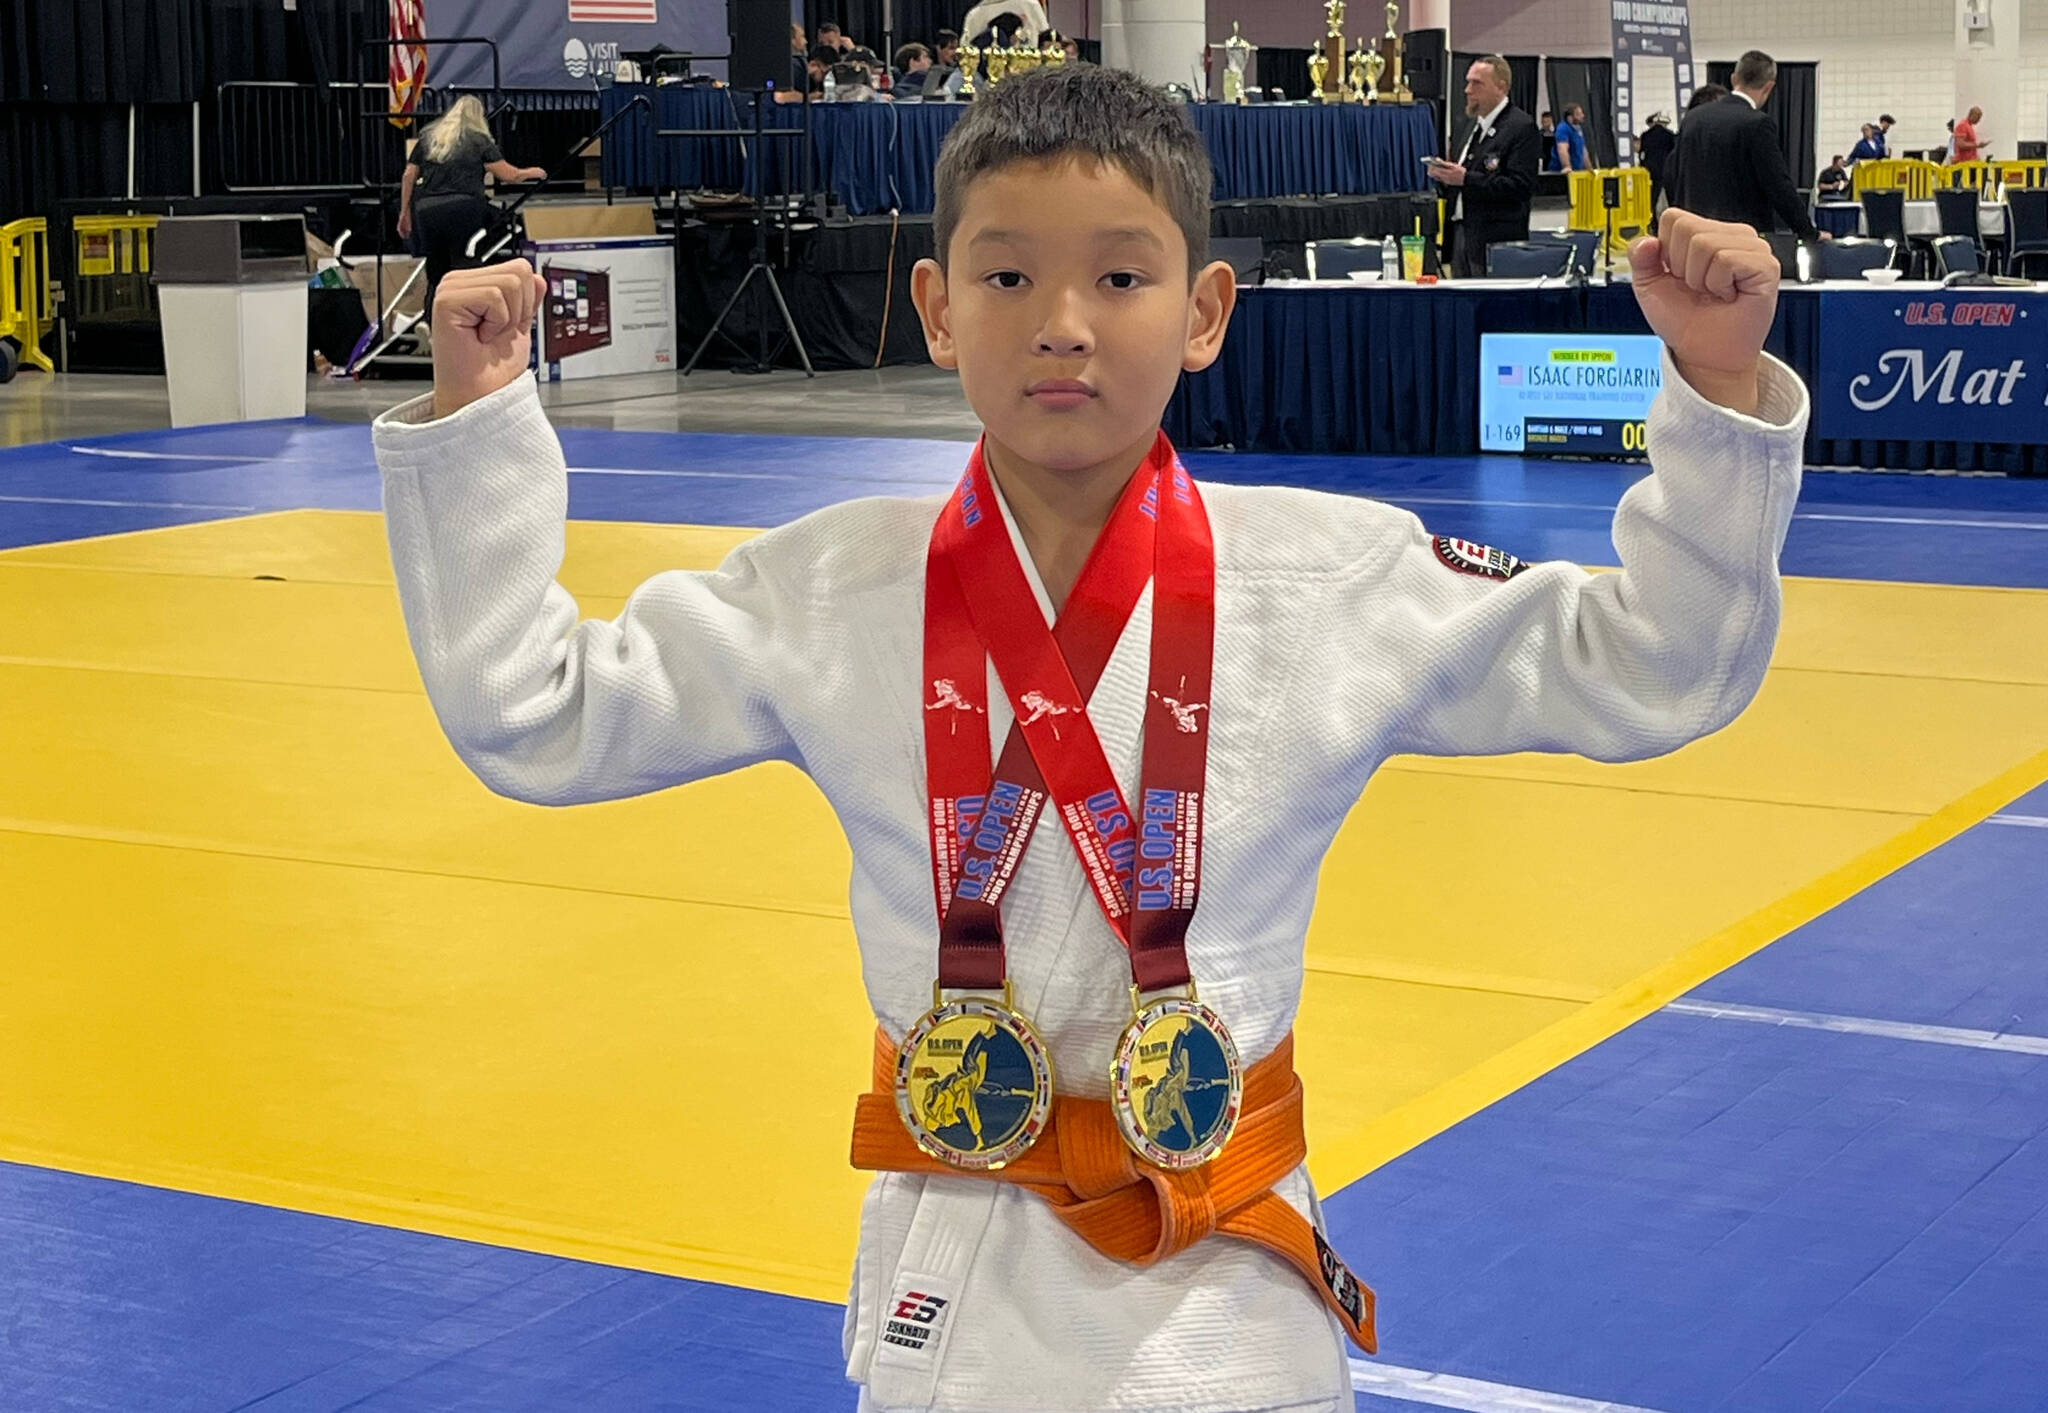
(1082,937)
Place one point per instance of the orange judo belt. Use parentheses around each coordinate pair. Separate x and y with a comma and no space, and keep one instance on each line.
(1134,1212)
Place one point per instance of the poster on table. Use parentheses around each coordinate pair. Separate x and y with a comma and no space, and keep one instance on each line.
(1567,394)
(1652,65)
(568,43)
(609,307)
(1966,365)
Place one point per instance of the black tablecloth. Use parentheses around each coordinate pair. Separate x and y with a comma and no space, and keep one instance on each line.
(879,156)
(1396,372)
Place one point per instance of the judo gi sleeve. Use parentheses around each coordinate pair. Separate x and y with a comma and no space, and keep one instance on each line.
(1513,656)
(544,705)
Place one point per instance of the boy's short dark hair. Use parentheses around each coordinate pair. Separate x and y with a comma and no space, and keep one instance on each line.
(825,54)
(1071,109)
(909,54)
(946,37)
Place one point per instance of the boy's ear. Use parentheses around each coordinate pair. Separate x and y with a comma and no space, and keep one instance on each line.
(935,310)
(1209,304)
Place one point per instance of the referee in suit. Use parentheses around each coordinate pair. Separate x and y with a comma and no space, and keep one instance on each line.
(1728,165)
(1490,186)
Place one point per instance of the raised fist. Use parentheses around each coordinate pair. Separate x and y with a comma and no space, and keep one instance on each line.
(483,330)
(1709,290)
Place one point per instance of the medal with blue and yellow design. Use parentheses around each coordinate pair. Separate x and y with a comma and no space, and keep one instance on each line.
(970,1072)
(1176,1085)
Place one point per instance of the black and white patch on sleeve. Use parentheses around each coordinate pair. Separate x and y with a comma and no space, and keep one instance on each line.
(1480,561)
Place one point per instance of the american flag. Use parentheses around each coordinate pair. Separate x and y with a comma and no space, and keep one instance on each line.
(1510,375)
(408,61)
(620,12)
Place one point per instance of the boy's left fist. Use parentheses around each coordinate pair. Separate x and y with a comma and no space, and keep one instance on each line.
(1709,290)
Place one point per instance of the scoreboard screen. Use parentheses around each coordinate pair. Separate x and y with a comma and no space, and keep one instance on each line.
(1567,394)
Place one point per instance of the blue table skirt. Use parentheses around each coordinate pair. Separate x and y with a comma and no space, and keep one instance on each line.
(1396,372)
(1838,221)
(880,156)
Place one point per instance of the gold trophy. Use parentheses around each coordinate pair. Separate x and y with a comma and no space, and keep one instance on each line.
(1023,57)
(1333,54)
(1053,50)
(998,61)
(1318,66)
(1237,58)
(970,66)
(1374,67)
(1393,50)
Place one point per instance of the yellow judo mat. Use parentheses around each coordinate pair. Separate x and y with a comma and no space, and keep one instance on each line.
(266,938)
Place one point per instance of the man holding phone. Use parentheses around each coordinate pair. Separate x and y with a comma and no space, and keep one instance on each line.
(1490,186)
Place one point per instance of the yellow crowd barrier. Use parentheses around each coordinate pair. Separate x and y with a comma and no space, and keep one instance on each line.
(111,257)
(1629,221)
(1983,175)
(1915,177)
(27,304)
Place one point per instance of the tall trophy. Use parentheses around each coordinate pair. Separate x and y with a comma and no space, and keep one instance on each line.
(1393,50)
(970,68)
(998,60)
(1237,58)
(1365,74)
(1023,57)
(1318,66)
(1331,88)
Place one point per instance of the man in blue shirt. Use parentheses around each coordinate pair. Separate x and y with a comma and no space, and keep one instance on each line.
(1571,140)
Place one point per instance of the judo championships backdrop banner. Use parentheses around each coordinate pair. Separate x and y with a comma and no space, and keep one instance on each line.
(568,43)
(1652,64)
(1967,365)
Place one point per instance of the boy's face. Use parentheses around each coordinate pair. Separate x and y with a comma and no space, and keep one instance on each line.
(1067,310)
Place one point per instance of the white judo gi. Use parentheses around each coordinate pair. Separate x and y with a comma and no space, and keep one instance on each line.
(1342,637)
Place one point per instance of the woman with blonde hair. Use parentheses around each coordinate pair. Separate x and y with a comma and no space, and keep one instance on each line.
(443,189)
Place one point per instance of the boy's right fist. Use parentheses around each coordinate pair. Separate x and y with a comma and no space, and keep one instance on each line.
(483,329)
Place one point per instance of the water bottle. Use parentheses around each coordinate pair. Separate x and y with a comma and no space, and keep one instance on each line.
(831,86)
(1390,259)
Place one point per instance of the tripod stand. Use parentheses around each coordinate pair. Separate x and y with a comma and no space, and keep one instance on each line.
(758,266)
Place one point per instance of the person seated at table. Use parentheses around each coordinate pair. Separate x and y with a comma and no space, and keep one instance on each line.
(823,57)
(913,65)
(946,84)
(831,34)
(1571,140)
(1833,182)
(1868,147)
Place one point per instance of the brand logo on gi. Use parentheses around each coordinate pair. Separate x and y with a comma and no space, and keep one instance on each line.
(917,1317)
(1041,707)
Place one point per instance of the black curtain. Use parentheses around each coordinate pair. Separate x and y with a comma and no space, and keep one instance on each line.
(69,69)
(1589,83)
(1795,104)
(860,18)
(1284,69)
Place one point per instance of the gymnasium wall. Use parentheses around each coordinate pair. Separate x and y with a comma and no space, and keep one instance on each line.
(1892,56)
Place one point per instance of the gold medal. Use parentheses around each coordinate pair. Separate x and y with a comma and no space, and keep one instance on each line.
(974,1082)
(1176,1083)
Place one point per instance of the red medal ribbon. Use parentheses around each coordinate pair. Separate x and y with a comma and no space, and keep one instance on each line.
(1144,866)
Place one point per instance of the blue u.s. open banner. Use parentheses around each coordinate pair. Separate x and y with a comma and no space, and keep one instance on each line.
(1966,365)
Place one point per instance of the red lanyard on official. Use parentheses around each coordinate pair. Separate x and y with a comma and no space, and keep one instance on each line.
(1144,866)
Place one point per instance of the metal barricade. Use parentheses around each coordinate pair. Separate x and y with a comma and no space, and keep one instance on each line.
(27,300)
(111,257)
(1629,220)
(1915,177)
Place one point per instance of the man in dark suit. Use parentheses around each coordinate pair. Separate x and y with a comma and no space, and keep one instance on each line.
(1728,165)
(1491,184)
